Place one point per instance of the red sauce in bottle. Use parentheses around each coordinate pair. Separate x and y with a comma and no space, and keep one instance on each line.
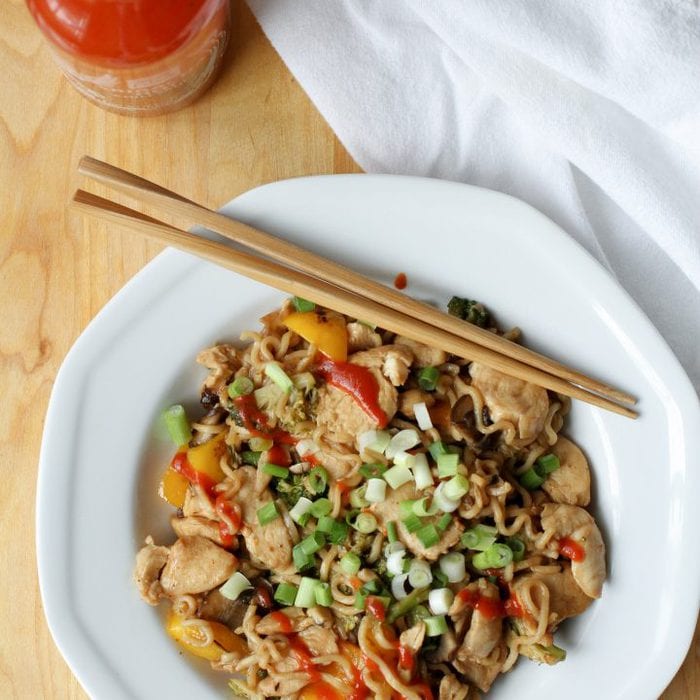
(571,549)
(136,56)
(357,381)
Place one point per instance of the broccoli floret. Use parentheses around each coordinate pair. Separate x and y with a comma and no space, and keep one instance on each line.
(291,491)
(469,310)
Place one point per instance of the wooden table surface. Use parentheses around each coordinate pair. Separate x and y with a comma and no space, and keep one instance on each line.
(57,270)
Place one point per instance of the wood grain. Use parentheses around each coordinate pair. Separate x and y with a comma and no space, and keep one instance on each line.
(56,270)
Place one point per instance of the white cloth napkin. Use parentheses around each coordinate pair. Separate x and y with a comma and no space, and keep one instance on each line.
(587,109)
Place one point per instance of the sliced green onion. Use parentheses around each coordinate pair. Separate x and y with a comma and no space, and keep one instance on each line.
(276,470)
(303,305)
(419,573)
(240,386)
(422,415)
(495,557)
(480,537)
(318,479)
(323,594)
(453,565)
(398,586)
(268,513)
(421,472)
(235,586)
(397,476)
(391,534)
(435,625)
(357,498)
(440,600)
(311,544)
(320,507)
(436,449)
(422,510)
(335,530)
(456,487)
(286,594)
(428,535)
(406,508)
(409,603)
(439,579)
(428,377)
(372,586)
(360,599)
(420,612)
(250,457)
(350,563)
(548,463)
(402,441)
(306,595)
(412,523)
(530,479)
(404,459)
(374,440)
(517,546)
(176,422)
(444,522)
(279,376)
(325,524)
(447,464)
(365,523)
(443,503)
(376,490)
(300,508)
(302,560)
(395,562)
(550,654)
(260,444)
(372,471)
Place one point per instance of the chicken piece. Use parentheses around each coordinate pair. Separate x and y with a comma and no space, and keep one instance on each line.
(507,398)
(319,640)
(452,689)
(270,624)
(286,684)
(362,337)
(577,524)
(571,483)
(482,673)
(413,396)
(423,355)
(484,631)
(269,545)
(412,638)
(197,505)
(389,510)
(394,361)
(222,362)
(337,461)
(196,525)
(149,563)
(446,650)
(196,565)
(343,419)
(566,599)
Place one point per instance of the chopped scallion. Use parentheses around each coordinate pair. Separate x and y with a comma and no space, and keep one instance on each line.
(444,522)
(320,507)
(350,563)
(412,523)
(436,449)
(286,594)
(391,534)
(435,625)
(531,479)
(268,513)
(428,535)
(517,546)
(275,372)
(303,305)
(306,595)
(357,497)
(300,508)
(421,472)
(311,544)
(365,523)
(548,463)
(302,560)
(376,490)
(480,537)
(318,479)
(447,464)
(428,377)
(250,457)
(323,594)
(422,509)
(177,424)
(235,586)
(456,487)
(240,386)
(453,566)
(372,471)
(397,476)
(495,557)
(276,470)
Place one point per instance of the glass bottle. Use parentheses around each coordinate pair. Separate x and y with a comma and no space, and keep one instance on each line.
(142,57)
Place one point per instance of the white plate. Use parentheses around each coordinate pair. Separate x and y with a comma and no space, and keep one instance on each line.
(100,459)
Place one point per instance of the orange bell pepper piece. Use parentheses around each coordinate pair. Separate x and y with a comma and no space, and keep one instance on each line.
(206,458)
(325,329)
(173,487)
(224,639)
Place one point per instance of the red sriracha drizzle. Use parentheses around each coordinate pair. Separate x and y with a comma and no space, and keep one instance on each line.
(301,651)
(375,606)
(223,507)
(255,421)
(358,382)
(571,549)
(283,621)
(182,465)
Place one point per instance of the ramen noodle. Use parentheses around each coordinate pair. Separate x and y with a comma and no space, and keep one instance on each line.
(358,515)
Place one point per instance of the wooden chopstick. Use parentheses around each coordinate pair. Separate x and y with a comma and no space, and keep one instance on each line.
(300,284)
(192,214)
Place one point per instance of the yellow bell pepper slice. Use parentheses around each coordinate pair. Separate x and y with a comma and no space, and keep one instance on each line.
(173,487)
(325,329)
(224,639)
(206,458)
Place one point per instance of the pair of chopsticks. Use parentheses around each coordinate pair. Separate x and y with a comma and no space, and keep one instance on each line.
(327,283)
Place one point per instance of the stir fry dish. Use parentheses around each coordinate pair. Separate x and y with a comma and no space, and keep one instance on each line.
(357,515)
